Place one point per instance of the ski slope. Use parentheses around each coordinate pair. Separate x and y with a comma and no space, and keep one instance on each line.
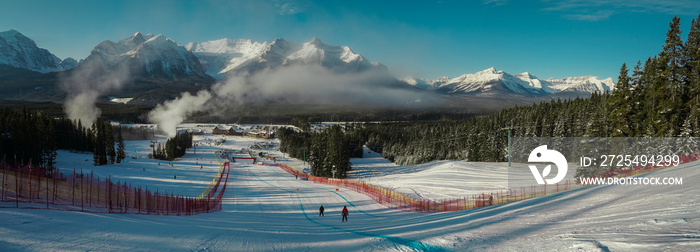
(267,209)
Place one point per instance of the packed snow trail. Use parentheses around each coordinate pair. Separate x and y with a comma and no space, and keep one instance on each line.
(398,240)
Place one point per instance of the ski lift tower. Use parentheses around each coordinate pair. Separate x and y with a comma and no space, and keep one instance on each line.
(334,170)
(153,145)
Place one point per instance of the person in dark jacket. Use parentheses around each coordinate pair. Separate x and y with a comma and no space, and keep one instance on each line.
(345,213)
(320,211)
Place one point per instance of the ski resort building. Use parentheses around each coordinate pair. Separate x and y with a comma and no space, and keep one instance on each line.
(231,131)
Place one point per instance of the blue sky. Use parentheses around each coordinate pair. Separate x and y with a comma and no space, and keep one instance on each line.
(548,38)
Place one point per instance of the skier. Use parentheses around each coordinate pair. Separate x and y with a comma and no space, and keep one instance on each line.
(345,213)
(320,211)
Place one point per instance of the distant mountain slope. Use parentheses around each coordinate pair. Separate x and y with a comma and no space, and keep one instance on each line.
(585,84)
(19,51)
(491,82)
(153,57)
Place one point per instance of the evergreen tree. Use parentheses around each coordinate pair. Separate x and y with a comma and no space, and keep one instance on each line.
(622,104)
(121,147)
(669,83)
(692,49)
(109,143)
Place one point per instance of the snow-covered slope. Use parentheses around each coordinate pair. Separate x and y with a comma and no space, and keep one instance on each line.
(20,51)
(233,56)
(150,56)
(223,55)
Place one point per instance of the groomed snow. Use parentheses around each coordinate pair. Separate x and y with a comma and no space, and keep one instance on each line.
(436,180)
(264,211)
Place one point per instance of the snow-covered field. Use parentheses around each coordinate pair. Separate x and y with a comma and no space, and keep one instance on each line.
(444,179)
(267,209)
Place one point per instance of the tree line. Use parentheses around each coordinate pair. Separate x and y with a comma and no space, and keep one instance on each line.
(328,152)
(35,137)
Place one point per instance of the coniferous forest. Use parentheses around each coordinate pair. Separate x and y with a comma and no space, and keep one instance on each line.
(175,147)
(657,98)
(34,137)
(326,150)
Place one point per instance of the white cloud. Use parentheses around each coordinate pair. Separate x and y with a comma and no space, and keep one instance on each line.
(595,10)
(495,2)
(289,7)
(591,16)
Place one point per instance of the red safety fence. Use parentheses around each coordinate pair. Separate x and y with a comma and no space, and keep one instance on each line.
(406,202)
(32,187)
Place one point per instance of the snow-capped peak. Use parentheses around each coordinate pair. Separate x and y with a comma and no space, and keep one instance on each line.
(226,56)
(534,82)
(161,41)
(242,46)
(20,51)
(526,75)
(490,70)
(316,41)
(223,55)
(587,84)
(156,56)
(133,41)
(492,81)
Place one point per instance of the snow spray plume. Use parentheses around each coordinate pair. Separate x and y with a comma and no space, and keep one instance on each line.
(172,113)
(313,84)
(82,107)
(309,84)
(85,83)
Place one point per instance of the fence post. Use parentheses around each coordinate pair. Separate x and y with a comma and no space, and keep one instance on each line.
(4,174)
(98,189)
(17,187)
(82,195)
(108,182)
(55,174)
(47,191)
(92,177)
(73,186)
(134,195)
(119,203)
(30,184)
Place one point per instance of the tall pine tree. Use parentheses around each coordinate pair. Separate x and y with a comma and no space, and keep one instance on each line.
(121,147)
(622,104)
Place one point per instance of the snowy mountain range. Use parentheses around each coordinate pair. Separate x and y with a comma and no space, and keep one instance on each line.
(491,82)
(19,51)
(226,56)
(151,56)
